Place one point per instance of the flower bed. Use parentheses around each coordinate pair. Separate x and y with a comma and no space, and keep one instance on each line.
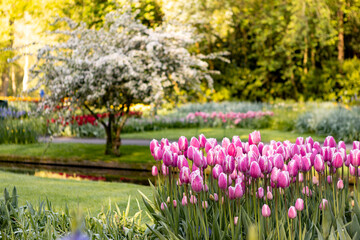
(235,189)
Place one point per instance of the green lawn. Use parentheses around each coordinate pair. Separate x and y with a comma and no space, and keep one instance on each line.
(78,151)
(88,195)
(218,133)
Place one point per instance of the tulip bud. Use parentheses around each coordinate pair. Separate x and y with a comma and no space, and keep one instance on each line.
(163,206)
(238,191)
(260,192)
(205,204)
(356,145)
(255,171)
(299,204)
(301,177)
(307,191)
(269,195)
(198,158)
(283,179)
(299,141)
(164,170)
(315,180)
(340,184)
(323,204)
(154,143)
(168,158)
(184,175)
(279,161)
(164,142)
(222,181)
(182,162)
(310,141)
(184,201)
(329,142)
(337,161)
(158,153)
(183,143)
(231,192)
(329,179)
(236,220)
(216,171)
(174,203)
(202,140)
(229,164)
(342,145)
(154,171)
(292,212)
(319,163)
(193,199)
(216,197)
(254,138)
(210,158)
(195,142)
(265,211)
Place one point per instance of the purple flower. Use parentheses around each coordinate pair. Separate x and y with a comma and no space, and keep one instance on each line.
(76,236)
(195,142)
(323,204)
(184,175)
(238,191)
(184,201)
(228,164)
(319,163)
(216,171)
(198,158)
(231,193)
(337,161)
(182,162)
(154,143)
(279,161)
(202,140)
(210,157)
(168,158)
(330,142)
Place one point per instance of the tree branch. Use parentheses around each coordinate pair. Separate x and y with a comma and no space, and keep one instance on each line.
(95,115)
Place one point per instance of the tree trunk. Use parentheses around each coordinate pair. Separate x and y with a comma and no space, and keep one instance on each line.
(341,48)
(113,135)
(13,80)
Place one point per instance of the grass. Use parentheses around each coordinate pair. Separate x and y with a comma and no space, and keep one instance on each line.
(82,151)
(218,133)
(87,195)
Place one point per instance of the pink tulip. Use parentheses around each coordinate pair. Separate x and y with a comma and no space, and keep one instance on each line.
(231,190)
(292,168)
(279,161)
(154,143)
(310,141)
(195,142)
(340,184)
(174,147)
(255,171)
(260,192)
(220,156)
(154,171)
(260,146)
(342,145)
(210,158)
(183,143)
(164,142)
(222,181)
(330,142)
(283,179)
(329,179)
(205,204)
(163,206)
(175,160)
(299,141)
(307,191)
(198,158)
(190,153)
(174,203)
(265,211)
(229,164)
(254,138)
(216,197)
(216,171)
(193,199)
(323,204)
(238,191)
(182,162)
(236,220)
(292,212)
(337,161)
(164,170)
(210,144)
(306,164)
(184,175)
(225,142)
(202,140)
(269,195)
(315,180)
(356,145)
(243,164)
(355,157)
(158,153)
(299,204)
(206,188)
(319,163)
(168,158)
(197,184)
(184,201)
(275,174)
(301,177)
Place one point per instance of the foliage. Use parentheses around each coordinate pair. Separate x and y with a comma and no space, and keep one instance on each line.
(42,222)
(339,122)
(237,190)
(19,131)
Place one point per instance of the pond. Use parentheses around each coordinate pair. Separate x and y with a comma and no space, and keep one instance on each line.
(80,173)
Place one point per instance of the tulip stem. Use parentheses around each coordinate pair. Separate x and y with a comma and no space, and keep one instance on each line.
(289,227)
(276,213)
(300,230)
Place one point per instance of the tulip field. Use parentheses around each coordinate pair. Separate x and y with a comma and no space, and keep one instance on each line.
(253,190)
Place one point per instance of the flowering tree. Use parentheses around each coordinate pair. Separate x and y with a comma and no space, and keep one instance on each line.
(120,64)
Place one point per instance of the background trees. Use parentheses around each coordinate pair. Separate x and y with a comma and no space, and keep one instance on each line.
(278,48)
